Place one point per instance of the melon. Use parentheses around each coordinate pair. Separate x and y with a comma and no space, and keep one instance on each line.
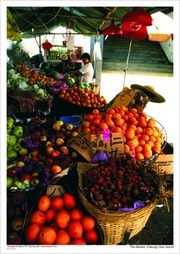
(64,56)
(45,66)
(54,74)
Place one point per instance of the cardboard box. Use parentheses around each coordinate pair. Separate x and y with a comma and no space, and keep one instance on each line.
(89,144)
(165,160)
(124,98)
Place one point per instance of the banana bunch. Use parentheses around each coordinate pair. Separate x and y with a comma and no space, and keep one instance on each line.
(13,32)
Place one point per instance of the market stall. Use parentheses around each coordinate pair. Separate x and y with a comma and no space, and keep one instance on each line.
(80,171)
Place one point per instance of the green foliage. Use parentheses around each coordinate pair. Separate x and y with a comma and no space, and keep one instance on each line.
(17,54)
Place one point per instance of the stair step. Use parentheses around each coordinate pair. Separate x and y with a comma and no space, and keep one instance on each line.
(145,56)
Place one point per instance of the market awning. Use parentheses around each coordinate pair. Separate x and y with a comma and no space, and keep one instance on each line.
(83,20)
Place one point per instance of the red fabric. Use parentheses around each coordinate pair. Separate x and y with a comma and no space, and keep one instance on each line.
(112,29)
(47,45)
(138,15)
(134,31)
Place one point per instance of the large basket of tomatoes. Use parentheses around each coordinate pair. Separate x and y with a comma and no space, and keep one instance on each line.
(120,194)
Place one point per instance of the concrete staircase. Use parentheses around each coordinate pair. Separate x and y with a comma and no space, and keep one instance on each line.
(145,56)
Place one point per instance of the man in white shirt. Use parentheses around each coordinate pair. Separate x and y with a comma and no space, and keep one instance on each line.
(86,72)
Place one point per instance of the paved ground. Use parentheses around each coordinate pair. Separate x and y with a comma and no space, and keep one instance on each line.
(159,228)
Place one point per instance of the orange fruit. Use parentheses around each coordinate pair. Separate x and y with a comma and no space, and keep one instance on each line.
(89,117)
(147,153)
(109,123)
(139,156)
(44,203)
(91,236)
(142,123)
(62,219)
(116,129)
(85,124)
(118,122)
(146,147)
(141,142)
(75,229)
(47,236)
(103,126)
(110,111)
(62,237)
(138,149)
(88,222)
(152,138)
(151,122)
(133,143)
(78,241)
(145,137)
(50,215)
(69,200)
(37,217)
(95,112)
(130,133)
(148,131)
(96,122)
(76,214)
(32,232)
(57,203)
(139,130)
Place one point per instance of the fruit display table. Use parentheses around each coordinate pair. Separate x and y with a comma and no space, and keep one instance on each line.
(79,171)
(45,151)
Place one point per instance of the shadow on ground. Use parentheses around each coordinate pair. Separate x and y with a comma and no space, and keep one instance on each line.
(158,229)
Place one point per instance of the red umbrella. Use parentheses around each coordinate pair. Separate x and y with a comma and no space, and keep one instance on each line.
(133,26)
(112,29)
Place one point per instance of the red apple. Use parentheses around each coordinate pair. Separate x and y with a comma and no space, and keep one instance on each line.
(11,172)
(36,135)
(42,157)
(55,169)
(49,161)
(55,154)
(65,150)
(26,177)
(34,158)
(24,158)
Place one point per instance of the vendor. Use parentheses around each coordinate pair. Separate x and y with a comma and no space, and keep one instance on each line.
(143,95)
(85,74)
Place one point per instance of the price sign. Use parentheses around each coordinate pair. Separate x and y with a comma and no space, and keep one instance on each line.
(114,146)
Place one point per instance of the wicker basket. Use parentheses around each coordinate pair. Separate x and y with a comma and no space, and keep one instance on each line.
(117,227)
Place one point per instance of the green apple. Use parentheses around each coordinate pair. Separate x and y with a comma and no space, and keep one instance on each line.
(20,184)
(9,130)
(10,122)
(9,182)
(19,140)
(12,154)
(17,147)
(18,131)
(11,139)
